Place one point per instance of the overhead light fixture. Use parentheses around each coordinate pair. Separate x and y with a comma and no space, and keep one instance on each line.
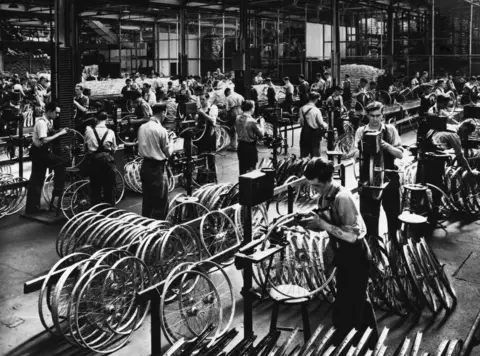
(13,6)
(126,10)
(101,12)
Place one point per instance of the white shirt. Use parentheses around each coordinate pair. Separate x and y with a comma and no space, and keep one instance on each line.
(91,142)
(41,129)
(153,140)
(233,100)
(150,98)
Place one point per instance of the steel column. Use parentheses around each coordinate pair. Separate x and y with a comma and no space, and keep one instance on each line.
(335,44)
(432,57)
(470,42)
(391,37)
(183,46)
(155,47)
(245,45)
(199,45)
(223,43)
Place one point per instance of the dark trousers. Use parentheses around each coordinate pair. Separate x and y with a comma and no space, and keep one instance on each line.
(247,156)
(310,142)
(102,179)
(390,201)
(41,160)
(155,189)
(352,307)
(338,123)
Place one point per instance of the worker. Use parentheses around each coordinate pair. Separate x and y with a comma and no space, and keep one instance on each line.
(100,145)
(415,82)
(270,92)
(288,89)
(335,101)
(233,105)
(126,89)
(206,121)
(470,92)
(258,79)
(81,103)
(319,85)
(347,88)
(143,110)
(444,108)
(248,131)
(148,94)
(313,127)
(303,89)
(155,147)
(340,218)
(43,158)
(440,87)
(391,148)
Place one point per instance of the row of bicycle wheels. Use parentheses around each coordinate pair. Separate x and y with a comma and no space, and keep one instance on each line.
(319,344)
(92,305)
(160,244)
(12,200)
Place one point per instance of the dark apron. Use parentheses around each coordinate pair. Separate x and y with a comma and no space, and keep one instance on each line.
(310,139)
(247,156)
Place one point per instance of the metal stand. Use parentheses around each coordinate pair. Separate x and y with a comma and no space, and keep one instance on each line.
(331,131)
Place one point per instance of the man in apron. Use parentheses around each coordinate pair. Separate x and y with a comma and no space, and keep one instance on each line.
(43,158)
(340,218)
(100,145)
(313,127)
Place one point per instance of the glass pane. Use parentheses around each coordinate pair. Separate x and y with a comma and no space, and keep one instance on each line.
(343,34)
(328,50)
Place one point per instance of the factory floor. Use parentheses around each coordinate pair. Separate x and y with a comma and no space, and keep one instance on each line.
(27,249)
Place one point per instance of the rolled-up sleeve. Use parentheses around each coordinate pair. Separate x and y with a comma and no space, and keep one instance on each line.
(350,218)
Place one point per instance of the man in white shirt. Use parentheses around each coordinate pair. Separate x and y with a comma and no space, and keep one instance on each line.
(155,147)
(43,158)
(148,95)
(100,145)
(233,105)
(440,86)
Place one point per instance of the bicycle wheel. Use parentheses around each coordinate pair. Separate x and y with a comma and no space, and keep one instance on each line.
(439,269)
(191,313)
(218,233)
(185,212)
(417,275)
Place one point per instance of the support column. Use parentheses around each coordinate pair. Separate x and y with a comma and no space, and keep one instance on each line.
(223,43)
(470,42)
(432,38)
(155,47)
(391,37)
(335,44)
(200,46)
(245,47)
(183,58)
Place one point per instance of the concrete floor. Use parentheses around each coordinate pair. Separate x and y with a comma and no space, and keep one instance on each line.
(28,248)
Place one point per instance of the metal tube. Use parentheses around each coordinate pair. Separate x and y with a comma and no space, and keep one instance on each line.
(199,45)
(470,42)
(432,60)
(120,42)
(223,43)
